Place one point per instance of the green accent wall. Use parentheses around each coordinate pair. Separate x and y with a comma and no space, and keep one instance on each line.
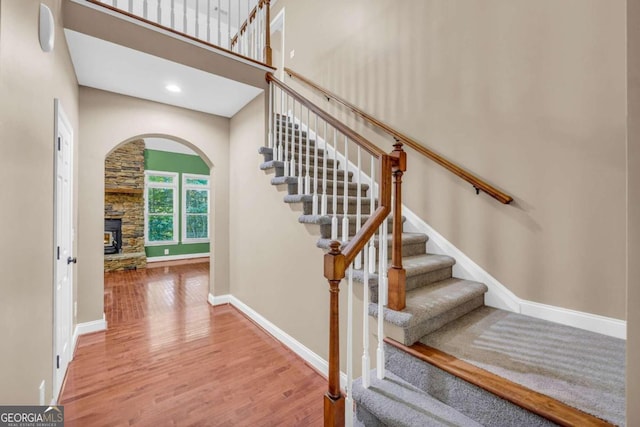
(181,163)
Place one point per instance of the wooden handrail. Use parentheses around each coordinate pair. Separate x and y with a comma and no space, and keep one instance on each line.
(171,30)
(245,25)
(336,261)
(476,182)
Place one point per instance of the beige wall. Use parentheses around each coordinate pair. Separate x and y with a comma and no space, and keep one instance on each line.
(107,120)
(29,81)
(529,95)
(633,180)
(275,266)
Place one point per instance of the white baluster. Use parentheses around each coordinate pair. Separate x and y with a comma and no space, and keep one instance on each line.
(281,128)
(358,260)
(287,164)
(334,219)
(381,300)
(130,6)
(314,185)
(345,197)
(197,19)
(300,153)
(307,176)
(366,375)
(292,166)
(323,201)
(372,196)
(349,400)
(270,134)
(229,24)
(184,16)
(159,12)
(238,32)
(145,9)
(219,30)
(173,14)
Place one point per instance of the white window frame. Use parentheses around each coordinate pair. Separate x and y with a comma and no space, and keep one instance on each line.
(186,187)
(176,193)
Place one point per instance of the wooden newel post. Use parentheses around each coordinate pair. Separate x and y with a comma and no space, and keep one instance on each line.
(334,269)
(397,275)
(267,37)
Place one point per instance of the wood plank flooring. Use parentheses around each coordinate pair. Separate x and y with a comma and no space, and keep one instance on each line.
(170,359)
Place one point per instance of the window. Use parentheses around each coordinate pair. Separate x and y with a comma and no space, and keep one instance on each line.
(195,208)
(161,208)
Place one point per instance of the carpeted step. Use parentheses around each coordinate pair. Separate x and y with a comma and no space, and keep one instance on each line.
(324,221)
(431,307)
(422,270)
(352,204)
(268,153)
(412,244)
(484,407)
(292,183)
(279,170)
(395,402)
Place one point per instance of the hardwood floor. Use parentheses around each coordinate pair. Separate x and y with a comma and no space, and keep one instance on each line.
(170,359)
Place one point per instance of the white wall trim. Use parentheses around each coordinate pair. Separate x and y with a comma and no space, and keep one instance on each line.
(317,362)
(87,328)
(177,257)
(500,297)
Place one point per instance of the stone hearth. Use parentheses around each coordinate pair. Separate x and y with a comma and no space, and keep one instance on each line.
(124,199)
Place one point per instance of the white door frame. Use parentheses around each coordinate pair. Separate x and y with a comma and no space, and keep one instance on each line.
(63,236)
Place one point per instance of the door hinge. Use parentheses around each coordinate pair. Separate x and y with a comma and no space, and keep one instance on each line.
(58,361)
(58,256)
(58,143)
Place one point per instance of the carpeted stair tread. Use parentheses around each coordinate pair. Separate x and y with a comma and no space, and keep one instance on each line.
(292,182)
(395,402)
(268,152)
(431,301)
(407,238)
(352,204)
(279,166)
(326,219)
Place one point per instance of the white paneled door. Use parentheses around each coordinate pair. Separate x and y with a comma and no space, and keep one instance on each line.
(63,250)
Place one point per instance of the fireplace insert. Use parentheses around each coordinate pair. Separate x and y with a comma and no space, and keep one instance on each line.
(112,236)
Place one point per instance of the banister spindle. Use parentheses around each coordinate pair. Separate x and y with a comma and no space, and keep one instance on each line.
(307,173)
(287,164)
(145,9)
(382,260)
(345,197)
(372,197)
(270,116)
(184,16)
(219,29)
(159,12)
(349,399)
(397,275)
(131,6)
(229,25)
(323,200)
(197,19)
(314,185)
(300,152)
(358,260)
(173,14)
(334,219)
(366,375)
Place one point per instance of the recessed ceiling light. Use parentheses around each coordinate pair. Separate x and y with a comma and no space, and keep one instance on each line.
(173,88)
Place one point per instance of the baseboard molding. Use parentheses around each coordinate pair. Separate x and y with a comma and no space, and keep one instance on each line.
(176,257)
(87,328)
(309,356)
(500,297)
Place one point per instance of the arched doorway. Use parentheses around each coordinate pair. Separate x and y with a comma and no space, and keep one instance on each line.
(157,203)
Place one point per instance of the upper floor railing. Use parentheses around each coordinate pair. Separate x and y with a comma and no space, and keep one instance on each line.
(477,183)
(238,26)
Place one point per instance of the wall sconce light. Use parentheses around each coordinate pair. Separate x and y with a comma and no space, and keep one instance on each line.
(47,29)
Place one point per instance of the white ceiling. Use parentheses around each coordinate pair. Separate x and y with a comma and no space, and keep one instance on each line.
(114,68)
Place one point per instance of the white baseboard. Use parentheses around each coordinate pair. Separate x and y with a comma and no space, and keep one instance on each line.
(317,362)
(87,328)
(500,297)
(176,257)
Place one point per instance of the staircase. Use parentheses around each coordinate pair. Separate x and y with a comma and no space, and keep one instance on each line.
(434,299)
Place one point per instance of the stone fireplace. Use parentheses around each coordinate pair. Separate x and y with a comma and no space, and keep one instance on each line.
(124,202)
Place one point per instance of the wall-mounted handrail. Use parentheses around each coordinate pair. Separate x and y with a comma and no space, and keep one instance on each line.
(477,183)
